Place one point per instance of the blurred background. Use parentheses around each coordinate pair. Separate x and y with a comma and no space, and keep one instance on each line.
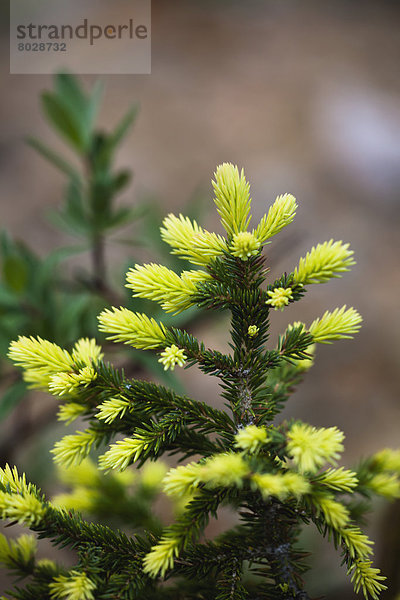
(303,95)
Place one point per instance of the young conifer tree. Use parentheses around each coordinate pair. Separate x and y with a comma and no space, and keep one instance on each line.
(278,476)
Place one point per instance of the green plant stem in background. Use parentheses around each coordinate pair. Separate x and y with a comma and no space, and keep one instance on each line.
(98,261)
(90,209)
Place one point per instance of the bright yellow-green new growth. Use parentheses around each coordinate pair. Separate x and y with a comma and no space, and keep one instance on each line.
(135,329)
(72,449)
(270,484)
(47,366)
(224,470)
(244,244)
(182,480)
(323,262)
(152,474)
(357,543)
(47,564)
(251,438)
(11,479)
(70,411)
(19,503)
(280,214)
(279,297)
(341,480)
(366,578)
(387,460)
(81,499)
(335,513)
(65,384)
(190,241)
(232,198)
(337,325)
(24,509)
(173,292)
(86,482)
(385,484)
(87,352)
(252,330)
(84,474)
(75,586)
(40,360)
(310,448)
(21,550)
(171,357)
(297,485)
(281,485)
(112,409)
(122,453)
(161,557)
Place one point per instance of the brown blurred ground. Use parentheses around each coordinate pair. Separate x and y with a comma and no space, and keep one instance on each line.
(303,95)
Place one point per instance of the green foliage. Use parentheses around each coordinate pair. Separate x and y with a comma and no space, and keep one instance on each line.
(89,209)
(276,476)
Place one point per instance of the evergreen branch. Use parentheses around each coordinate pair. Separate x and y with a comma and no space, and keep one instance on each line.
(276,476)
(210,362)
(215,295)
(294,343)
(274,525)
(70,529)
(32,591)
(279,385)
(183,532)
(20,557)
(202,561)
(158,400)
(229,586)
(171,434)
(228,269)
(145,399)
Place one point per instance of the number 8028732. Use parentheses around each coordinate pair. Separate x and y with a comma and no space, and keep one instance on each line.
(42,47)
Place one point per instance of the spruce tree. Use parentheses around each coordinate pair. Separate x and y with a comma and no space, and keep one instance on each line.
(278,476)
